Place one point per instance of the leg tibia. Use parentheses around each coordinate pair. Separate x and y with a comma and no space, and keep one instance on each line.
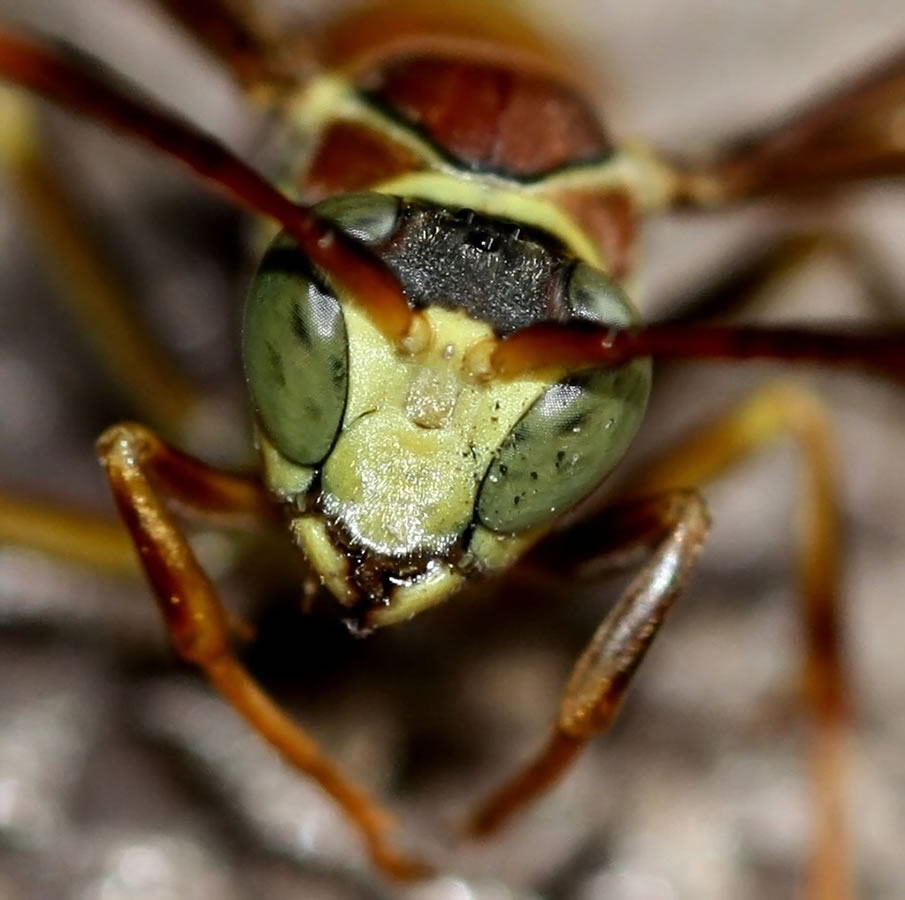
(142,471)
(675,525)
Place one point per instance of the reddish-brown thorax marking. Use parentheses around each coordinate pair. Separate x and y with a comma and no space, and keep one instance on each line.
(353,157)
(489,117)
(488,94)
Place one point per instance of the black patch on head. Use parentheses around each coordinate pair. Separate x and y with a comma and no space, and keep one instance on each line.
(497,271)
(481,239)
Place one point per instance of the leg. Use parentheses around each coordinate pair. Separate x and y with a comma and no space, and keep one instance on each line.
(743,281)
(776,411)
(74,536)
(853,133)
(674,525)
(142,470)
(93,292)
(248,46)
(773,412)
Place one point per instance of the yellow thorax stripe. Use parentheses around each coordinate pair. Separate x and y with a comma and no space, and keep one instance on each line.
(496,201)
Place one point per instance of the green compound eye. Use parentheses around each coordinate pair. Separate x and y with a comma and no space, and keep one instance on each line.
(594,297)
(368,217)
(575,432)
(294,342)
(295,354)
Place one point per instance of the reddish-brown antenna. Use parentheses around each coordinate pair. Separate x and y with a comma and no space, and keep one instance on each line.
(576,347)
(78,84)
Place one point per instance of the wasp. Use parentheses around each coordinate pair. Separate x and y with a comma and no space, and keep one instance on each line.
(444,356)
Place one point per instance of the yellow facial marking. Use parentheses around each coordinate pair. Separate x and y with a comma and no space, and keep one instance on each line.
(284,478)
(438,582)
(492,551)
(330,564)
(417,438)
(432,397)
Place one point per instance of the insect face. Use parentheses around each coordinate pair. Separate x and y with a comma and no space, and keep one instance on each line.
(404,473)
(398,486)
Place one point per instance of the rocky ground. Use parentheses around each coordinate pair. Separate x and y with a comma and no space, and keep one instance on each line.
(121,776)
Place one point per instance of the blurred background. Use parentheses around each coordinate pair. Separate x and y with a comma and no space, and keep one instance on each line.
(122,776)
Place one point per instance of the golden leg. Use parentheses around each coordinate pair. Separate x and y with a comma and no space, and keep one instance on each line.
(142,470)
(671,524)
(848,135)
(98,301)
(73,536)
(674,525)
(776,411)
(265,62)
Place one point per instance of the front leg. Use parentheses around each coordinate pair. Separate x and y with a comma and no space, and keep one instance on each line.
(851,134)
(248,45)
(674,525)
(142,470)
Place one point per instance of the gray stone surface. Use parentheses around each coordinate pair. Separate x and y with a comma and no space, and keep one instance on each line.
(122,777)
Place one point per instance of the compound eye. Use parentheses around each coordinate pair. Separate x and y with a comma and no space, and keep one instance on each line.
(368,217)
(563,446)
(295,352)
(593,297)
(294,342)
(575,432)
